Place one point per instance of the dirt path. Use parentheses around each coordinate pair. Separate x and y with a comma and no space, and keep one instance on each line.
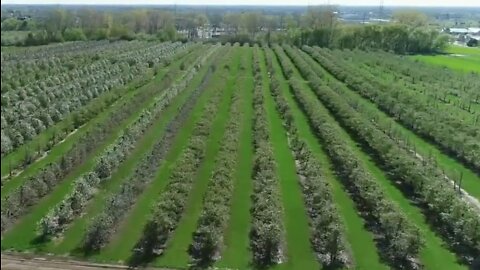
(30,261)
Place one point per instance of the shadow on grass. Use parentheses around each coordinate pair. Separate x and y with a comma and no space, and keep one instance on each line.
(40,240)
(140,259)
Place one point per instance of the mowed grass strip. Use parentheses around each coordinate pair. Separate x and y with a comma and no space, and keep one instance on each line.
(23,234)
(176,254)
(453,168)
(434,255)
(130,231)
(458,58)
(363,246)
(60,149)
(74,234)
(237,254)
(300,255)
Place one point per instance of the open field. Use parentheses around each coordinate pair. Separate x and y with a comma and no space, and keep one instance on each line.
(458,58)
(179,155)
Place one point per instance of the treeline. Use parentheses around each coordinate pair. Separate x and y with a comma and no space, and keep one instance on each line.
(397,38)
(59,25)
(406,32)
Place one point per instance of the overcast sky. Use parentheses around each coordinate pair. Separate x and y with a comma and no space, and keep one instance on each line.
(472,3)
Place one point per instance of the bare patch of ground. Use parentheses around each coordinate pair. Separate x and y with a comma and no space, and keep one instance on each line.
(30,261)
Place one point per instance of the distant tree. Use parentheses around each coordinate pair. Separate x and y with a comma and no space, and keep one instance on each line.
(322,22)
(411,18)
(233,21)
(74,34)
(319,17)
(10,24)
(252,22)
(440,43)
(472,43)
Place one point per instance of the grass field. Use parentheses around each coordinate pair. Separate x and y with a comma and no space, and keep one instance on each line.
(458,58)
(195,122)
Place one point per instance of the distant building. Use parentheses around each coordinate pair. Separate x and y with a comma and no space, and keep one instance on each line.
(462,31)
(207,32)
(464,36)
(218,32)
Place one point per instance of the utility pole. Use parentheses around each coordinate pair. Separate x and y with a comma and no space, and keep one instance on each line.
(380,11)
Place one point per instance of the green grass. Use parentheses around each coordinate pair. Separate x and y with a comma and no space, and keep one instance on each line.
(458,58)
(299,252)
(60,149)
(237,253)
(361,241)
(130,231)
(434,255)
(176,255)
(20,237)
(464,50)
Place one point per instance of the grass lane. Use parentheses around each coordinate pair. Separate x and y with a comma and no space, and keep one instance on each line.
(21,236)
(120,247)
(300,255)
(237,253)
(60,149)
(363,246)
(176,255)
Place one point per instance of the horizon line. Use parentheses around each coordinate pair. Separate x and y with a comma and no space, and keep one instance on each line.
(226,5)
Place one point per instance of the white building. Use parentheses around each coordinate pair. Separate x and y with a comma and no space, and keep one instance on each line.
(463,31)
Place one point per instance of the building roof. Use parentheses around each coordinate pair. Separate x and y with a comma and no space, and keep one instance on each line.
(459,30)
(471,30)
(474,30)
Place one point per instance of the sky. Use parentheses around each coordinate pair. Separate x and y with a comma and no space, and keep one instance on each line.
(465,3)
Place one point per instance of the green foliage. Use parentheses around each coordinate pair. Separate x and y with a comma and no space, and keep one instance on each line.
(411,18)
(473,43)
(267,232)
(397,38)
(327,231)
(10,24)
(74,34)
